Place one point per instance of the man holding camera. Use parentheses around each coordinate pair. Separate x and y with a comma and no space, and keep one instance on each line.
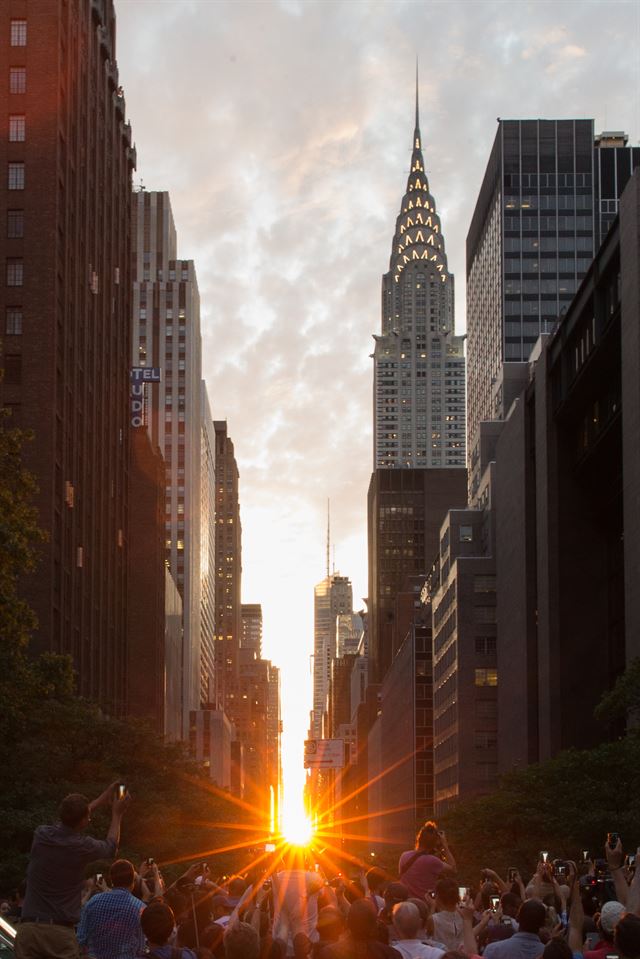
(55,876)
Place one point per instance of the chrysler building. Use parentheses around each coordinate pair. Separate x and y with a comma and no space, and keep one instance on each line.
(419,364)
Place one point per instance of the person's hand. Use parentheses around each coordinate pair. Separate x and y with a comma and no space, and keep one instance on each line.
(431,903)
(465,910)
(144,869)
(101,884)
(193,872)
(615,857)
(491,873)
(557,931)
(118,806)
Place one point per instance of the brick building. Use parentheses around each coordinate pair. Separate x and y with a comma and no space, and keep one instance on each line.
(66,157)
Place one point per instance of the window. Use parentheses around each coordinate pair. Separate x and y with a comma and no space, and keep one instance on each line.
(466,534)
(16,176)
(13,369)
(18,33)
(13,321)
(14,272)
(17,127)
(15,224)
(486,677)
(484,584)
(17,80)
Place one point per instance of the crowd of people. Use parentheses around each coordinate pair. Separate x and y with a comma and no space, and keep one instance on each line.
(288,906)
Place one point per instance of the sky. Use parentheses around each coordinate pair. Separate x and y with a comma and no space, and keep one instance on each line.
(283,132)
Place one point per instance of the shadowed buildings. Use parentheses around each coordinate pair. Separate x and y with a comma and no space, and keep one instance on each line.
(65,314)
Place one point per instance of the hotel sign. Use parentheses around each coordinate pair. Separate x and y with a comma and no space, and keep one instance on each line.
(139,376)
(324,753)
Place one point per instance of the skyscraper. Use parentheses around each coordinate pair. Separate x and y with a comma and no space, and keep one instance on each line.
(65,314)
(207,551)
(228,570)
(252,627)
(419,367)
(549,193)
(332,596)
(166,335)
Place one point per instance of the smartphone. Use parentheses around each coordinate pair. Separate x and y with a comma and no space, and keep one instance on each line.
(590,940)
(150,861)
(269,847)
(631,861)
(98,877)
(463,892)
(511,875)
(561,871)
(122,791)
(612,839)
(205,867)
(544,857)
(495,902)
(585,856)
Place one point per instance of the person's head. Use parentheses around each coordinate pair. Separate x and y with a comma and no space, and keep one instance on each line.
(395,892)
(510,904)
(446,895)
(330,924)
(425,915)
(627,936)
(157,922)
(428,839)
(406,919)
(302,945)
(610,915)
(74,811)
(241,942)
(532,916)
(557,949)
(376,880)
(362,920)
(237,887)
(122,874)
(221,906)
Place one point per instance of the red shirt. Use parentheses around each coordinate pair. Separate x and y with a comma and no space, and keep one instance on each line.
(423,873)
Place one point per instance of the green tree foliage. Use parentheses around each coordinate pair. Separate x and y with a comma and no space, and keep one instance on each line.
(564,805)
(623,701)
(54,742)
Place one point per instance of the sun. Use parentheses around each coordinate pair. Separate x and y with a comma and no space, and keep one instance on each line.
(297,828)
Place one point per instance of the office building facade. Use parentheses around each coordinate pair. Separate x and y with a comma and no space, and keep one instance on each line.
(67,157)
(228,571)
(252,627)
(331,597)
(166,335)
(568,481)
(419,367)
(208,551)
(549,193)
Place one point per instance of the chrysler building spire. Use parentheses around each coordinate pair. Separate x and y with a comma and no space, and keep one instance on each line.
(419,366)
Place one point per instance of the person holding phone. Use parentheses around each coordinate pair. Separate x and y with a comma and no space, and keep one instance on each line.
(420,868)
(55,875)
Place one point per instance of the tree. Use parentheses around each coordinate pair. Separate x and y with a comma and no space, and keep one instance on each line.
(53,742)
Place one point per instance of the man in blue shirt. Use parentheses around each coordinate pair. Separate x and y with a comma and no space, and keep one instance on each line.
(526,943)
(110,922)
(55,877)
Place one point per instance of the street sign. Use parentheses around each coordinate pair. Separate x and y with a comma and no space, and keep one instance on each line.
(324,753)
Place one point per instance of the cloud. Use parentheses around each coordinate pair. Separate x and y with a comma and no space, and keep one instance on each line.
(282,131)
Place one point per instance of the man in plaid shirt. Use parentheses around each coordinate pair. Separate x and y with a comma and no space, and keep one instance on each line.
(110,922)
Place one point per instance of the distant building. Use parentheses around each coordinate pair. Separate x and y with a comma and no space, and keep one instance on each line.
(210,738)
(405,511)
(207,552)
(228,570)
(419,366)
(166,335)
(549,193)
(332,596)
(568,528)
(256,717)
(349,633)
(252,627)
(65,308)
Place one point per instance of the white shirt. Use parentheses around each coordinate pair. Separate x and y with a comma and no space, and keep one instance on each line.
(295,905)
(414,949)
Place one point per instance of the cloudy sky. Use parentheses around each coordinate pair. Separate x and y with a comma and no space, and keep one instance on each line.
(282,131)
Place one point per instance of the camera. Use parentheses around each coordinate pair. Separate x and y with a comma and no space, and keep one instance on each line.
(612,839)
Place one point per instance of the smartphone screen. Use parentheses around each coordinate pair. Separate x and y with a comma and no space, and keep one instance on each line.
(495,902)
(122,791)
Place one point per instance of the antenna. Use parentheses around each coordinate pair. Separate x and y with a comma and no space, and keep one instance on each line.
(328,535)
(334,559)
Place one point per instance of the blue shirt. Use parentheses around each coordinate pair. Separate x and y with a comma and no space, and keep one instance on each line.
(522,945)
(110,925)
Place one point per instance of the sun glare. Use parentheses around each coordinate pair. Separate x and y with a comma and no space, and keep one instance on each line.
(297,828)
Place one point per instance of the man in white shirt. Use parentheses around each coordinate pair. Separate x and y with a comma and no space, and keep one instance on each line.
(295,905)
(408,925)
